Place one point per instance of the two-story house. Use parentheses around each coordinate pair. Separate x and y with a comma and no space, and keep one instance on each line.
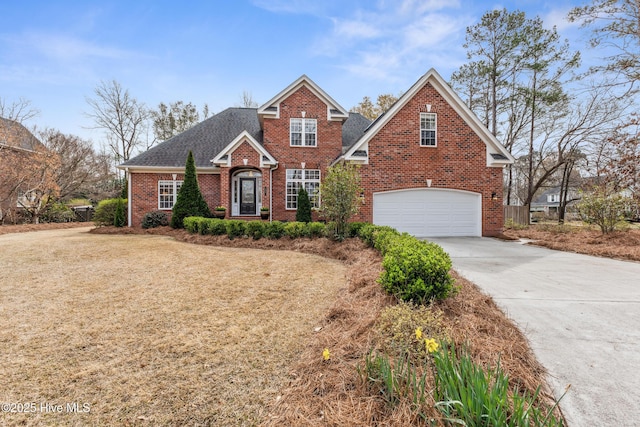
(428,165)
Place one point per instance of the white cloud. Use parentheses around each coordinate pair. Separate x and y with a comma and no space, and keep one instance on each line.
(394,39)
(354,29)
(558,18)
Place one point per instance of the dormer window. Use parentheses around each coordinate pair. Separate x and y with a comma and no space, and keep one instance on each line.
(428,130)
(303,132)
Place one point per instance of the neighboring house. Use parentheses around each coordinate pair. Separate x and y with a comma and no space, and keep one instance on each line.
(18,146)
(547,203)
(428,165)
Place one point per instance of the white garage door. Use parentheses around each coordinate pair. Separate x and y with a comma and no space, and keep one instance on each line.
(425,212)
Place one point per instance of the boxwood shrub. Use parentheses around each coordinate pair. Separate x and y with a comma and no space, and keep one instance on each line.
(274,230)
(416,271)
(235,228)
(295,229)
(217,227)
(191,224)
(353,228)
(315,229)
(254,229)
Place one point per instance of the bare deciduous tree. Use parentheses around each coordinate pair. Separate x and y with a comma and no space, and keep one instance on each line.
(81,168)
(121,116)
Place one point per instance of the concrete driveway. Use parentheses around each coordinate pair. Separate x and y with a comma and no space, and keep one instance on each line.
(581,315)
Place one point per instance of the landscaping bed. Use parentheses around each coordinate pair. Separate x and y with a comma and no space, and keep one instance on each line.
(623,245)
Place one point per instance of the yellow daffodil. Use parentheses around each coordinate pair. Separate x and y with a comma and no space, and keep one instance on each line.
(419,334)
(325,354)
(431,345)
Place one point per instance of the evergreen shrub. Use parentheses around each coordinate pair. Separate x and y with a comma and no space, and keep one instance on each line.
(155,219)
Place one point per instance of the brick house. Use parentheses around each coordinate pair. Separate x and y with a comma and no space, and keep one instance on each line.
(428,165)
(18,147)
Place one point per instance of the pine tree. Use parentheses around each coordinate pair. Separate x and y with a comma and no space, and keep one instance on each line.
(303,212)
(190,201)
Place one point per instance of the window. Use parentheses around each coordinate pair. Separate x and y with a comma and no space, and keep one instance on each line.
(168,193)
(553,198)
(428,129)
(310,179)
(303,132)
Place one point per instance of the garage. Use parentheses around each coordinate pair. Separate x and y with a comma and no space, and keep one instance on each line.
(429,212)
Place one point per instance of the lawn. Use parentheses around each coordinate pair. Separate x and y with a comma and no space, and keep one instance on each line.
(146,329)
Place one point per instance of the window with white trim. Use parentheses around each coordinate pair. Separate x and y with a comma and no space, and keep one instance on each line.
(309,179)
(428,129)
(168,193)
(303,132)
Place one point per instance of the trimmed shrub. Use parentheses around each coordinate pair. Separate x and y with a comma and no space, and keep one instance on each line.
(369,232)
(384,238)
(274,230)
(295,229)
(106,211)
(235,228)
(155,219)
(353,228)
(254,229)
(416,271)
(217,227)
(315,229)
(303,212)
(190,224)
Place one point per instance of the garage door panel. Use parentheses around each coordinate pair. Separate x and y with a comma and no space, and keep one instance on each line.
(429,212)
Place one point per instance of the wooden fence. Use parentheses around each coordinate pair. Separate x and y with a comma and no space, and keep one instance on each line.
(518,214)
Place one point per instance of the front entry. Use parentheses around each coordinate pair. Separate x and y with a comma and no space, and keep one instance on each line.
(247,196)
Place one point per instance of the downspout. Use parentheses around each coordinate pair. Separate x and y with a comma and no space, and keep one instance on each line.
(128,175)
(271,191)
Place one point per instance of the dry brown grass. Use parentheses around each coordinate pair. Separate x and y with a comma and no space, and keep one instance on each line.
(151,330)
(284,388)
(584,240)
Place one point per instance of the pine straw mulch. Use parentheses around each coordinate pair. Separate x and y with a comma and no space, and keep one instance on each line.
(331,393)
(21,228)
(623,245)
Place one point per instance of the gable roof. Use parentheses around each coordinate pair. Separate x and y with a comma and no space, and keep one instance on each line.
(224,156)
(497,155)
(13,134)
(205,140)
(272,107)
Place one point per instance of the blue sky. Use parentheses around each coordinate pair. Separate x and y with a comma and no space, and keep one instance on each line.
(54,53)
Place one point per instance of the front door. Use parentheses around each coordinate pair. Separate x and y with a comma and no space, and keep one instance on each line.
(247,196)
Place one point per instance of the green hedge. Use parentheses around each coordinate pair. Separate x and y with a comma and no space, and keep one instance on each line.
(414,270)
(105,213)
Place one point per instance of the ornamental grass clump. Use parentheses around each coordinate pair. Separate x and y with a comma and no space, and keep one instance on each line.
(467,395)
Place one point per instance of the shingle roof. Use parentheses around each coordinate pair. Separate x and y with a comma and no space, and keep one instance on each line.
(212,135)
(14,134)
(353,128)
(205,140)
